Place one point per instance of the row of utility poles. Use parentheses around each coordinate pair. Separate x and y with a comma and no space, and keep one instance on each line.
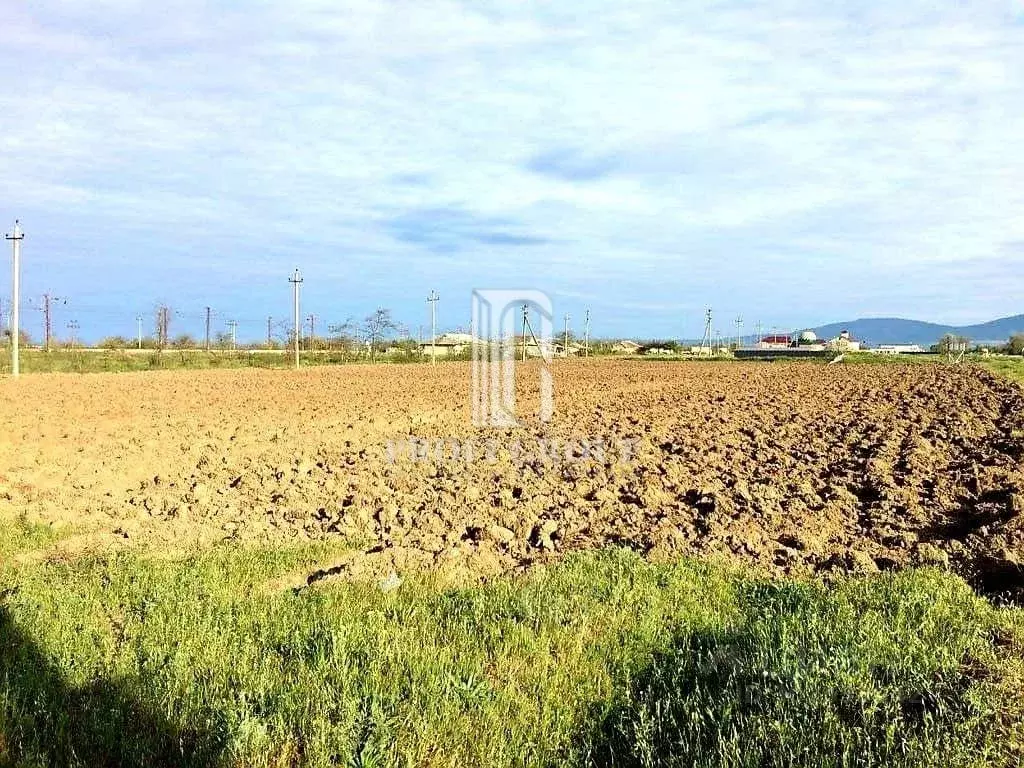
(163,315)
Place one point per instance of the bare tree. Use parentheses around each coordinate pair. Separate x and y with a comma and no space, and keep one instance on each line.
(344,336)
(376,327)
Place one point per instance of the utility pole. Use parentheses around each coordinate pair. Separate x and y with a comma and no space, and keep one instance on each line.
(706,338)
(16,237)
(138,323)
(586,334)
(233,325)
(47,325)
(270,340)
(526,323)
(757,328)
(432,299)
(207,344)
(48,318)
(73,327)
(565,342)
(528,327)
(163,324)
(312,331)
(739,331)
(296,281)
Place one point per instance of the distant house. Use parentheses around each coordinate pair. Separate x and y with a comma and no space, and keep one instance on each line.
(660,348)
(844,342)
(447,345)
(625,347)
(536,348)
(776,341)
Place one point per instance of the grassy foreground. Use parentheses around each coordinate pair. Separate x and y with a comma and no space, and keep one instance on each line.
(604,659)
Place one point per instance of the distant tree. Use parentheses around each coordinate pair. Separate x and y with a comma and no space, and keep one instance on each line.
(114,342)
(222,340)
(184,341)
(24,339)
(1016,344)
(951,343)
(376,328)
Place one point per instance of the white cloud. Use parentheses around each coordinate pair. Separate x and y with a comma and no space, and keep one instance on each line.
(642,140)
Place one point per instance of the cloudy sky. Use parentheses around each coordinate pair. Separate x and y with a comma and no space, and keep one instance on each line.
(794,162)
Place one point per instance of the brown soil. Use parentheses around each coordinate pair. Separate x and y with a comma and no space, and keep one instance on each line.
(790,467)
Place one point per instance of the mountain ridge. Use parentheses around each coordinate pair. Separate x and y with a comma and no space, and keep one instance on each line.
(896,330)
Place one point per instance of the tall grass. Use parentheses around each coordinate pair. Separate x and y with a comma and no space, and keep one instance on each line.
(603,659)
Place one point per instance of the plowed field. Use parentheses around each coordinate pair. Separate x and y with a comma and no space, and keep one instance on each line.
(789,467)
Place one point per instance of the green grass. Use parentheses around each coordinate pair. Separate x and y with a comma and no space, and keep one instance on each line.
(120,361)
(20,535)
(603,659)
(1010,367)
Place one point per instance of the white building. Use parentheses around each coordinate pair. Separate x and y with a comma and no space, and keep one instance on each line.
(899,349)
(844,342)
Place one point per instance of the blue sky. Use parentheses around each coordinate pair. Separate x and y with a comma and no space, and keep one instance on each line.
(793,162)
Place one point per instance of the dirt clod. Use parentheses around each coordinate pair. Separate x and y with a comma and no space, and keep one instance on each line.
(789,468)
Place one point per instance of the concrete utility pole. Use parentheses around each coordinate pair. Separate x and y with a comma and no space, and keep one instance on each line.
(138,323)
(16,237)
(526,323)
(296,281)
(586,334)
(739,331)
(565,342)
(207,342)
(432,299)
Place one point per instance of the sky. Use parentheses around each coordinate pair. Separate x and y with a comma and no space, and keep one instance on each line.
(792,163)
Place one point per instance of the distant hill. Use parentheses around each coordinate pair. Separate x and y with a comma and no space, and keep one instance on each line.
(894,330)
